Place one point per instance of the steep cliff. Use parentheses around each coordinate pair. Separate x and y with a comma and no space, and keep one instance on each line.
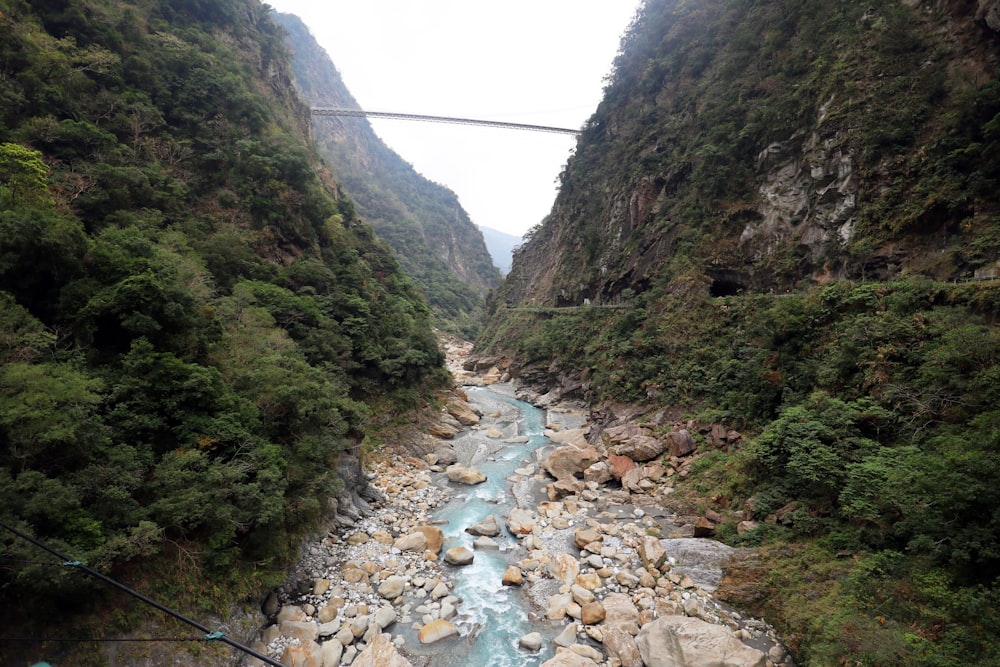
(196,326)
(784,219)
(436,242)
(763,145)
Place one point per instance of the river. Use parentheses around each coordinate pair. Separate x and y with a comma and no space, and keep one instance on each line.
(493,617)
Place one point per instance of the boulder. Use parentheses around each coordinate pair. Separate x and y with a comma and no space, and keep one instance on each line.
(433,535)
(620,612)
(332,653)
(584,536)
(620,465)
(680,641)
(521,522)
(652,553)
(460,474)
(567,658)
(564,568)
(680,443)
(592,613)
(531,641)
(445,427)
(488,527)
(567,637)
(640,448)
(307,654)
(384,617)
(621,645)
(305,631)
(513,576)
(415,541)
(567,486)
(703,527)
(380,652)
(459,556)
(569,461)
(598,472)
(392,587)
(700,559)
(436,630)
(464,413)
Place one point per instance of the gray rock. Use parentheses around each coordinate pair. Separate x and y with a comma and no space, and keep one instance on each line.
(392,587)
(531,641)
(488,527)
(459,556)
(679,641)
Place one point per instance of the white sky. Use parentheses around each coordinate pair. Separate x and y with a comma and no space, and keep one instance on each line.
(541,62)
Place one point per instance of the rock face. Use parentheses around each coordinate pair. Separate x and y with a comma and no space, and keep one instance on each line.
(680,641)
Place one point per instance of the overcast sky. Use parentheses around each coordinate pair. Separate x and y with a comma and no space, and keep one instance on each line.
(540,62)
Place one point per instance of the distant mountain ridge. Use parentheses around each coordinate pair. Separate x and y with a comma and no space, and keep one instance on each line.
(501,246)
(436,242)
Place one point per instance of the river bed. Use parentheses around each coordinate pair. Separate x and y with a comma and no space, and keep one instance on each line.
(493,617)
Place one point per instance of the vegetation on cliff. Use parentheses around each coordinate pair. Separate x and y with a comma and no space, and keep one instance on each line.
(435,241)
(762,226)
(193,321)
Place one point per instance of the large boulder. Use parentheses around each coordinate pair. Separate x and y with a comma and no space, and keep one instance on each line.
(488,527)
(570,461)
(621,646)
(567,658)
(413,541)
(392,587)
(681,641)
(640,448)
(521,521)
(307,654)
(436,630)
(433,535)
(445,426)
(621,612)
(464,413)
(381,652)
(459,556)
(681,443)
(462,475)
(652,553)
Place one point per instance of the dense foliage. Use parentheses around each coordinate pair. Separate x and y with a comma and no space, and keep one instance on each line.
(856,353)
(875,409)
(434,239)
(191,318)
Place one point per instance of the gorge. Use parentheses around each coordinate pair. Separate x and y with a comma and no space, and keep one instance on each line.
(761,321)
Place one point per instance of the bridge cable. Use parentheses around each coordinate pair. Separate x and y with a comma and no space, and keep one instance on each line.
(210,635)
(359,113)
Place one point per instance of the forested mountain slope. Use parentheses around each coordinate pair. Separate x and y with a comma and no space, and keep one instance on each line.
(434,239)
(784,218)
(194,323)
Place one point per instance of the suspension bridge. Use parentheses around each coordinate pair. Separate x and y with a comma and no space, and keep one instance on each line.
(359,113)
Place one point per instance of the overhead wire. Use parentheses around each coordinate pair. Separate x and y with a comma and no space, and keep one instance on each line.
(210,635)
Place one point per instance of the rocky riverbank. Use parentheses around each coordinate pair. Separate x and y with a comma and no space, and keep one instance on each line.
(615,578)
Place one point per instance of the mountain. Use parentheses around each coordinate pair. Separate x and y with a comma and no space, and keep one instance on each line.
(501,246)
(770,145)
(434,239)
(783,220)
(197,328)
